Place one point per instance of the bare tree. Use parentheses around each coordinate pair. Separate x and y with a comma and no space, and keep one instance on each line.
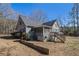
(6,23)
(75,16)
(8,11)
(39,15)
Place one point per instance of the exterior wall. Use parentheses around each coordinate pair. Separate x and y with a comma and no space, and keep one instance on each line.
(46,32)
(55,27)
(40,36)
(20,26)
(28,29)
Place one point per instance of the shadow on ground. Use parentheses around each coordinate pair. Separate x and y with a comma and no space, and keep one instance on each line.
(8,37)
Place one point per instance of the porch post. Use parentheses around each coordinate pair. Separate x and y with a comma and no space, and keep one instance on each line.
(44,39)
(43,33)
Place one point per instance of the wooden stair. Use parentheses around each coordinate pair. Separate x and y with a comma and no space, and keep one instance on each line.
(61,37)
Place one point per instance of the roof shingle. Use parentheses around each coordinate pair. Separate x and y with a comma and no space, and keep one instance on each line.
(30,22)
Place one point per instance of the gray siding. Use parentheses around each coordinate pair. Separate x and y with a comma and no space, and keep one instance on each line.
(46,33)
(55,27)
(20,25)
(28,29)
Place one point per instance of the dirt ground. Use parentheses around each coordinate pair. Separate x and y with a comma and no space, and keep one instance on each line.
(72,46)
(10,48)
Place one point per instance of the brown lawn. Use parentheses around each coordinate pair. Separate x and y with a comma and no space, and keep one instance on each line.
(10,48)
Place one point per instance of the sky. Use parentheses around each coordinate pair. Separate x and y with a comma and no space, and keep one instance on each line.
(51,10)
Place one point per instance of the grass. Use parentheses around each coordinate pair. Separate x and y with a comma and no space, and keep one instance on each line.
(69,48)
(72,46)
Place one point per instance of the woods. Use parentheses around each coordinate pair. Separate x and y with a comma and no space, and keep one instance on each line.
(72,27)
(6,25)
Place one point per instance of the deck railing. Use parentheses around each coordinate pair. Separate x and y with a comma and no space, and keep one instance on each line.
(59,36)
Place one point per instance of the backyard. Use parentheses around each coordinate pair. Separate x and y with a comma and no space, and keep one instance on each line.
(10,47)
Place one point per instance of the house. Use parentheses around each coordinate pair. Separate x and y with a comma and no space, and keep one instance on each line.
(42,30)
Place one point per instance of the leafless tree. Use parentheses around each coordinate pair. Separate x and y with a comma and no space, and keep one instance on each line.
(75,16)
(7,11)
(39,15)
(6,23)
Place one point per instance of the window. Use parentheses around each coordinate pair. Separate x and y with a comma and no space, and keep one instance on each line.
(55,30)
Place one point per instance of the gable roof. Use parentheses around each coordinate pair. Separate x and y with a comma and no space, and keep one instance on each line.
(35,23)
(49,23)
(30,22)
